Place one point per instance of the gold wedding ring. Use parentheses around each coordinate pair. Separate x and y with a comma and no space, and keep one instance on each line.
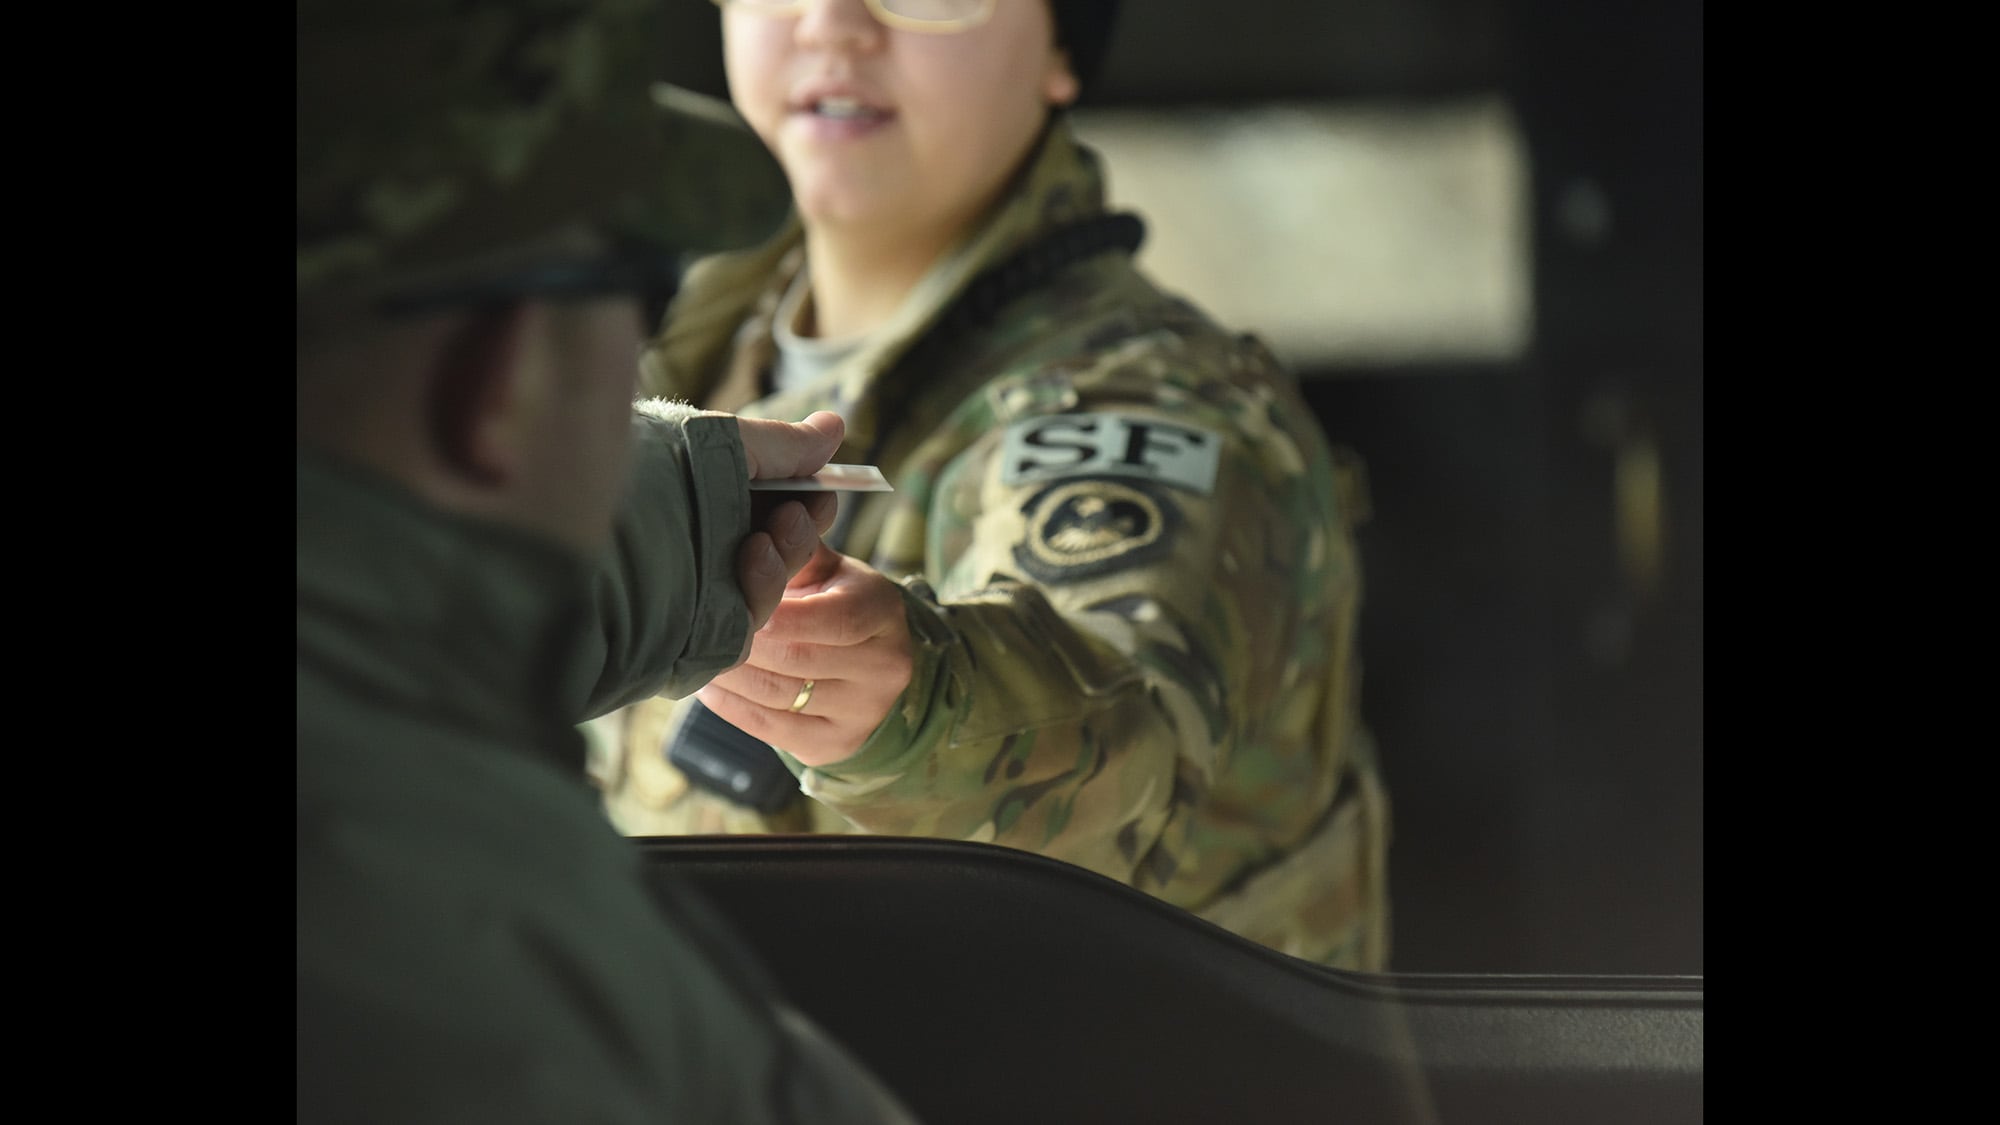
(799,700)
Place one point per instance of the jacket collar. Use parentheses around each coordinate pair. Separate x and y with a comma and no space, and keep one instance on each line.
(454,618)
(715,345)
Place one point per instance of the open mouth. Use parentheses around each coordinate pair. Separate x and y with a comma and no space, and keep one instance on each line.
(845,109)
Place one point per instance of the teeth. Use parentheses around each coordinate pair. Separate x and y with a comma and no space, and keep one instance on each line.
(841,107)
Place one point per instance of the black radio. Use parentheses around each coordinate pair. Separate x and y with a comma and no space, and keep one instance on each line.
(718,756)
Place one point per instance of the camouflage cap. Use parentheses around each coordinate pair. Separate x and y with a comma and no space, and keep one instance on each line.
(435,132)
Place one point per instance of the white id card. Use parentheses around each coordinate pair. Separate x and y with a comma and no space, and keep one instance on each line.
(832,478)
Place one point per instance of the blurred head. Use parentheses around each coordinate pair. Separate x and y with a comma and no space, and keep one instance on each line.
(469,172)
(903,115)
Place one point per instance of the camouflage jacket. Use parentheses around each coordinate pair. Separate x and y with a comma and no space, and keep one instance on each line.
(1129,569)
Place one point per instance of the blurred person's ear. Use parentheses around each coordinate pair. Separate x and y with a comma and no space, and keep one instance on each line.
(475,400)
(1060,86)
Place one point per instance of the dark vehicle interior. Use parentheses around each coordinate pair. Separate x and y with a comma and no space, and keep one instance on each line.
(1532,629)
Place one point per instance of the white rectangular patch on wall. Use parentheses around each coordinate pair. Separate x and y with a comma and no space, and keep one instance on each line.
(1342,234)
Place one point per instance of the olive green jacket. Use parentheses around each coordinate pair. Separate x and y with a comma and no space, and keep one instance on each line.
(475,943)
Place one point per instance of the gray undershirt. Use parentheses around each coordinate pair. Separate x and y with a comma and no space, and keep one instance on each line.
(802,360)
(805,360)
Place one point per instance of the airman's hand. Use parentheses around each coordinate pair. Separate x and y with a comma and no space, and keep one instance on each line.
(823,674)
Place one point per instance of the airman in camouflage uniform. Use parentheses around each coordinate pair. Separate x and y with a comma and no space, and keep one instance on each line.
(1126,558)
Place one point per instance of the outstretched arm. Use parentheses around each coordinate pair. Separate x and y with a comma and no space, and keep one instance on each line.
(1094,647)
(698,562)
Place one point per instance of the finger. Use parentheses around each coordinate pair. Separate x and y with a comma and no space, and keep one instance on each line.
(760,572)
(841,612)
(821,507)
(781,728)
(775,450)
(818,570)
(776,690)
(794,660)
(830,426)
(793,534)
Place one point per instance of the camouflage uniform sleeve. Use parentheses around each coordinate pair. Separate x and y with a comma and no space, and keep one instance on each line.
(669,611)
(1118,605)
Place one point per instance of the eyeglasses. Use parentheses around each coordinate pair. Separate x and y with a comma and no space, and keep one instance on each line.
(932,17)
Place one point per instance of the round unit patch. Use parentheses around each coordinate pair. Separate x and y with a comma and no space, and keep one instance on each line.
(1083,528)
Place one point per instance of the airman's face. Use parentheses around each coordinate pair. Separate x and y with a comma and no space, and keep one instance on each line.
(892,130)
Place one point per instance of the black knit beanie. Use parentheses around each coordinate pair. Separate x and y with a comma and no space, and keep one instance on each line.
(1083,29)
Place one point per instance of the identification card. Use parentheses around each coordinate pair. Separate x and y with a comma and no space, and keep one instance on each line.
(831,478)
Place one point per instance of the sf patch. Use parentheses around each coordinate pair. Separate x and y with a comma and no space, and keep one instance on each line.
(1082,528)
(1058,446)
